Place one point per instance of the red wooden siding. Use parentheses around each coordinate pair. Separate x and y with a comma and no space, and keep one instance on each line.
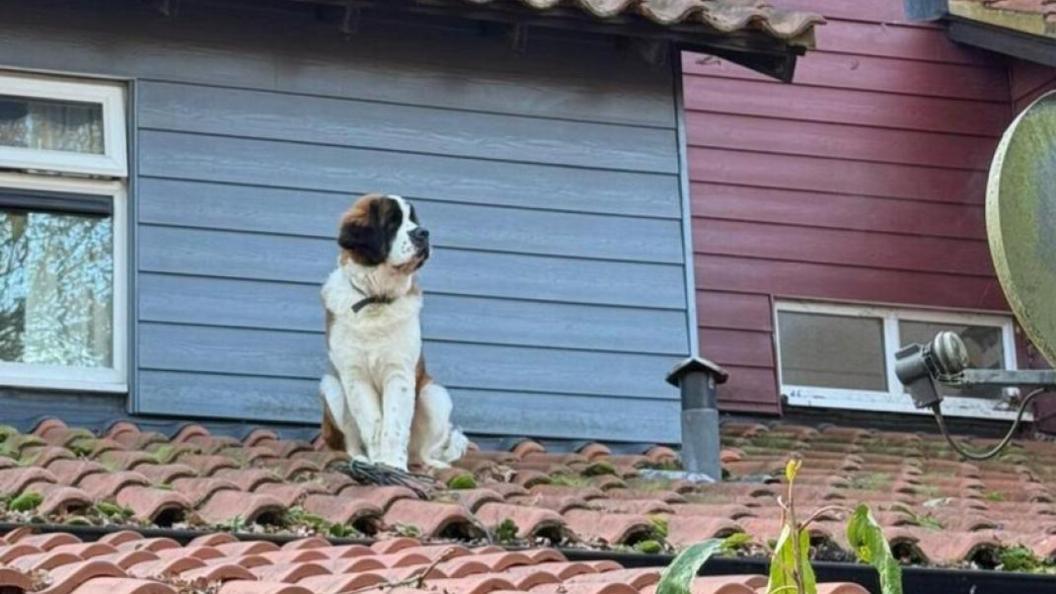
(863,181)
(1029,81)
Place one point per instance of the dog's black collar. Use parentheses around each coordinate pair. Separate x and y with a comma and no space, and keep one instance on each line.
(368,300)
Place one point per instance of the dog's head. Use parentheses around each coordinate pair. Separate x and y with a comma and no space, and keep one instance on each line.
(383,230)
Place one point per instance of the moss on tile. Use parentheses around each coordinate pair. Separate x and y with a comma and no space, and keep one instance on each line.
(506,532)
(462,482)
(569,480)
(995,496)
(599,469)
(873,481)
(27,501)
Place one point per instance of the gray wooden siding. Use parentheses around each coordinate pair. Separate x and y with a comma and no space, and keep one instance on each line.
(550,181)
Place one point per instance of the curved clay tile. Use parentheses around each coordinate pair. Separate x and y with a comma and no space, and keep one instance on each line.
(70,471)
(224,506)
(636,578)
(239,548)
(585,588)
(562,570)
(248,587)
(608,527)
(341,510)
(207,465)
(841,588)
(472,499)
(501,561)
(532,578)
(526,447)
(340,583)
(259,436)
(124,460)
(474,584)
(86,550)
(432,518)
(127,559)
(171,566)
(462,567)
(357,565)
(15,480)
(289,573)
(190,432)
(14,580)
(219,572)
(44,561)
(531,522)
(154,505)
(594,450)
(445,551)
(392,545)
(247,561)
(107,485)
(74,577)
(215,540)
(283,556)
(688,530)
(346,551)
(308,542)
(164,474)
(404,558)
(198,490)
(201,552)
(47,425)
(154,545)
(120,537)
(61,499)
(633,506)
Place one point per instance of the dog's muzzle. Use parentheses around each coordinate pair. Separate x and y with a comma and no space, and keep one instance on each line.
(420,240)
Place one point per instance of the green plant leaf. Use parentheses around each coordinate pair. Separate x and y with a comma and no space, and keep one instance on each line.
(783,565)
(677,577)
(869,544)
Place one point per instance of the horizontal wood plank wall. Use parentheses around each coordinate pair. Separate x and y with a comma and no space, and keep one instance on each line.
(861,181)
(549,180)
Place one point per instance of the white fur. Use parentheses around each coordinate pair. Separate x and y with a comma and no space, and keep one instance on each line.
(370,392)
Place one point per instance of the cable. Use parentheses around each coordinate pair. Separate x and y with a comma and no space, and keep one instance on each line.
(937,409)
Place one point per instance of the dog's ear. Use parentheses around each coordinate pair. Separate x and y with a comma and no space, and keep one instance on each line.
(366,231)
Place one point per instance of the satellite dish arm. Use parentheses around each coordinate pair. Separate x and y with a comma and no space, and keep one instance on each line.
(944,360)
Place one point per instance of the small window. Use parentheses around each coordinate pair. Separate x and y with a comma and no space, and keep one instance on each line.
(62,125)
(842,356)
(63,234)
(832,351)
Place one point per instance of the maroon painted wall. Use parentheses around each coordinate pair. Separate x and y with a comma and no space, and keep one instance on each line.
(863,181)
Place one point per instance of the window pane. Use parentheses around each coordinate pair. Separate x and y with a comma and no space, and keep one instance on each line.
(56,289)
(27,122)
(984,343)
(832,351)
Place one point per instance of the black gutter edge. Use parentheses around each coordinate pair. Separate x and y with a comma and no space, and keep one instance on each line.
(916,580)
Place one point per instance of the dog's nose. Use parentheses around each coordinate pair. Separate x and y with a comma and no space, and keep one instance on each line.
(419,235)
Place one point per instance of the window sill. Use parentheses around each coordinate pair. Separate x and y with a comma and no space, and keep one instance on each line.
(952,406)
(64,385)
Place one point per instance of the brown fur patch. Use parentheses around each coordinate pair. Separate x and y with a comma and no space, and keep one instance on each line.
(421,376)
(332,436)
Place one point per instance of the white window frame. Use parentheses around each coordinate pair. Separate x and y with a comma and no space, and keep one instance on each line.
(110,95)
(895,399)
(90,379)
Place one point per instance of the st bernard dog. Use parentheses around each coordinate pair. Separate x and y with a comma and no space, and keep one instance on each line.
(379,404)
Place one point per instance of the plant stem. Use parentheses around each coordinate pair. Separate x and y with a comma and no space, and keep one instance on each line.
(797,568)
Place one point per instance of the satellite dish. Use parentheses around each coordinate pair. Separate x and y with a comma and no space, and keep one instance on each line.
(1021,220)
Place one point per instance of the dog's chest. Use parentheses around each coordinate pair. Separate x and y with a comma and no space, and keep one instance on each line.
(376,338)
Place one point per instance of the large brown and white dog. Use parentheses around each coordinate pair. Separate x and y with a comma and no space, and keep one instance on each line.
(379,404)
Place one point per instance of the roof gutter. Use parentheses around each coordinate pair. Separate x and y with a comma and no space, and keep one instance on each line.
(914,579)
(753,49)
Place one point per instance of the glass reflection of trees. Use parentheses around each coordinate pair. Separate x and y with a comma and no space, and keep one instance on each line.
(56,290)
